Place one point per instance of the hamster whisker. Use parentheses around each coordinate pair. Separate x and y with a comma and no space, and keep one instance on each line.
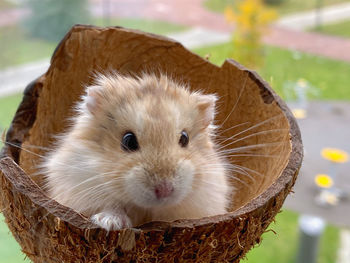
(249,169)
(231,168)
(245,169)
(95,187)
(96,193)
(240,181)
(238,171)
(100,198)
(20,147)
(239,96)
(95,177)
(45,204)
(253,146)
(45,187)
(41,156)
(33,229)
(249,149)
(255,134)
(254,155)
(27,145)
(244,173)
(111,118)
(254,126)
(232,127)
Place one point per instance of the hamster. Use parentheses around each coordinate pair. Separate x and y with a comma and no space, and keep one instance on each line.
(139,150)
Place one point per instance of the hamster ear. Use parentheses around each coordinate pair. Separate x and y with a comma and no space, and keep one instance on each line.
(92,99)
(206,107)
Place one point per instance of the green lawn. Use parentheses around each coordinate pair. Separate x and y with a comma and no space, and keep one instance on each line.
(17,47)
(330,77)
(286,7)
(4,4)
(151,26)
(283,246)
(341,29)
(10,251)
(9,248)
(8,107)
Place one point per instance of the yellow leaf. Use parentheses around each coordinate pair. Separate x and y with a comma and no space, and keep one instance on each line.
(323,180)
(335,155)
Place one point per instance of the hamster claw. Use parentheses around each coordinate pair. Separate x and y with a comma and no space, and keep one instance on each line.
(111,221)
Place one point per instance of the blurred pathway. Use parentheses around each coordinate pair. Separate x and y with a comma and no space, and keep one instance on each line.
(12,16)
(308,19)
(285,33)
(313,43)
(282,34)
(13,80)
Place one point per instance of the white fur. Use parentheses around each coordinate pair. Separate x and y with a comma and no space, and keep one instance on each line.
(111,220)
(141,190)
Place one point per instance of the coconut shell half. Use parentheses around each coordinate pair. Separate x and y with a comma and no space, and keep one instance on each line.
(248,110)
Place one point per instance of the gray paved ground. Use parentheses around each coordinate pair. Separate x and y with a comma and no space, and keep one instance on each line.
(327,125)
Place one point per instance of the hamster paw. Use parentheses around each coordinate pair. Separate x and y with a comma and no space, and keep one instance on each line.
(111,221)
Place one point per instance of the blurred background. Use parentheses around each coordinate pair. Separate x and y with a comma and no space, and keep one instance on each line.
(301,47)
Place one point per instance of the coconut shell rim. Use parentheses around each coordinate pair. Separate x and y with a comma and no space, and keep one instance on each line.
(12,170)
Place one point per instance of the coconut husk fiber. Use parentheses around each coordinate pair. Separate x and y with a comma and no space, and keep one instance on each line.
(50,232)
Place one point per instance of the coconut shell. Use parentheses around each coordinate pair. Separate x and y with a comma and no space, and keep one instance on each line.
(248,108)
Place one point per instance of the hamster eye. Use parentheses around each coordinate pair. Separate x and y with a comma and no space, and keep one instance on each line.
(129,142)
(183,139)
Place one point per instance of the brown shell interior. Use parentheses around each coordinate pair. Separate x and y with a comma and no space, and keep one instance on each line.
(246,109)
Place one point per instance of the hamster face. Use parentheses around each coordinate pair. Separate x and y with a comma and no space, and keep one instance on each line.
(139,149)
(152,136)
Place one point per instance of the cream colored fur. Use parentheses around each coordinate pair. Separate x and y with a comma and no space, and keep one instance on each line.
(91,173)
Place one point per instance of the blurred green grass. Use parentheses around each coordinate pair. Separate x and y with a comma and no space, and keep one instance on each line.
(10,251)
(8,107)
(341,29)
(9,248)
(286,7)
(6,4)
(330,77)
(17,47)
(151,26)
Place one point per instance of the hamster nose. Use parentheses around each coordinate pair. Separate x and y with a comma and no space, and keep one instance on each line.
(163,189)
